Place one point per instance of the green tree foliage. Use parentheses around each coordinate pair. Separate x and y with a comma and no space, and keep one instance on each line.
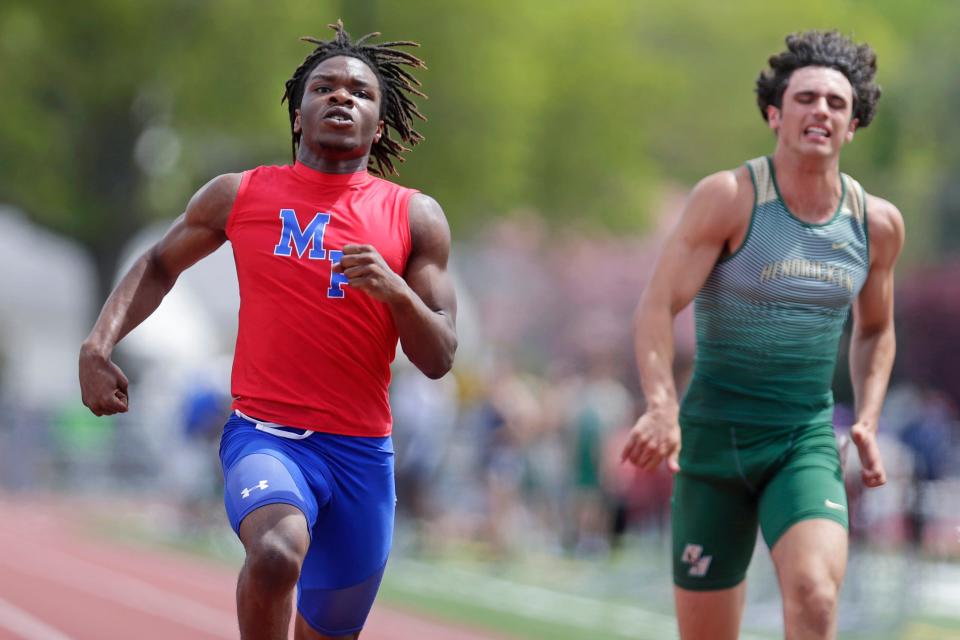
(115,112)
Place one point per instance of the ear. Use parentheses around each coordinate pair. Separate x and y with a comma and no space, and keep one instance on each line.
(848,137)
(379,133)
(296,122)
(773,118)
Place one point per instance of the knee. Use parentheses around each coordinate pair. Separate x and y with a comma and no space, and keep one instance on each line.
(273,561)
(814,600)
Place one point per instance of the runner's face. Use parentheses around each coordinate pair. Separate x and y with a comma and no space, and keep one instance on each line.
(340,111)
(816,114)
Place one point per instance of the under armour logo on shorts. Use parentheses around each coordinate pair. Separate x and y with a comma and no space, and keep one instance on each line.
(260,485)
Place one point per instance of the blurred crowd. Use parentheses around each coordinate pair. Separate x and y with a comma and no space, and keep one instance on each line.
(518,448)
(525,462)
(506,461)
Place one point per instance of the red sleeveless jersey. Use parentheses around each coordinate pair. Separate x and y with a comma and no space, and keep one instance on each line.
(312,353)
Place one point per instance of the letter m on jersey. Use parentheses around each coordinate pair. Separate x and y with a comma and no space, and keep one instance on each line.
(292,235)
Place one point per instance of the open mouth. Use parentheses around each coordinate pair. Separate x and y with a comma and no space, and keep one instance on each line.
(338,115)
(816,132)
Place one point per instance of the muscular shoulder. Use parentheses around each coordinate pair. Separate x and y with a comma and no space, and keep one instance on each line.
(429,230)
(886,229)
(722,202)
(726,188)
(210,206)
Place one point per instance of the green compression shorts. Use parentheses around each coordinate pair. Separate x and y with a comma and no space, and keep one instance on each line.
(733,477)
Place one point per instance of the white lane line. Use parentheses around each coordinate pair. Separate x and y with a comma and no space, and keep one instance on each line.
(132,593)
(25,626)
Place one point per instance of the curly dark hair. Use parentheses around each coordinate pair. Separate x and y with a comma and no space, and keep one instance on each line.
(397,109)
(857,62)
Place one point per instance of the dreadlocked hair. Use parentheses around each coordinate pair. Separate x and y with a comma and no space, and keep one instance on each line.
(397,109)
(857,62)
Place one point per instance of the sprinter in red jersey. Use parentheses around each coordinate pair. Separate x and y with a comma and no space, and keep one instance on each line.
(334,265)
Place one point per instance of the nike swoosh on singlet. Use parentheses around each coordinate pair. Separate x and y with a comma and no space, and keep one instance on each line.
(839,245)
(833,505)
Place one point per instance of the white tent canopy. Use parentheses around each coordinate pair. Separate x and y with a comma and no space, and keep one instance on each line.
(197,319)
(46,289)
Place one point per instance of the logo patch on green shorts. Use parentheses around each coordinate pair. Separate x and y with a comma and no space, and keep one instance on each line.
(699,563)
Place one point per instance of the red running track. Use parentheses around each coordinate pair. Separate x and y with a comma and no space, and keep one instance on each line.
(61,582)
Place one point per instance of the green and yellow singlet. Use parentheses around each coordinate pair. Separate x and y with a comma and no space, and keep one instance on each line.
(770,315)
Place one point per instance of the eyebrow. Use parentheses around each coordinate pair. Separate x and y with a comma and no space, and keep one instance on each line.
(328,77)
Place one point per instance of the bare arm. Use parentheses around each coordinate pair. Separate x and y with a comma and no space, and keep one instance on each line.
(716,214)
(422,301)
(873,343)
(194,235)
(426,321)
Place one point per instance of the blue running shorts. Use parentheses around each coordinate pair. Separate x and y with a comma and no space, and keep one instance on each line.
(343,485)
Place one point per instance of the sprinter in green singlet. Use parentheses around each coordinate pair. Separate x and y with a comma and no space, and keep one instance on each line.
(775,253)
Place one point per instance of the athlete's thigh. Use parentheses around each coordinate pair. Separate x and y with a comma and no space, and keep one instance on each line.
(806,485)
(352,535)
(714,529)
(714,511)
(258,471)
